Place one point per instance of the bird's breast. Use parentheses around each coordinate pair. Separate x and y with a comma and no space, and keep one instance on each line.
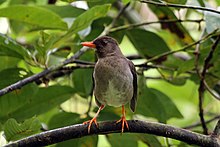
(113,82)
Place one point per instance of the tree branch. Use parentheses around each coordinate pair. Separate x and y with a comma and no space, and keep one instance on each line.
(107,127)
(165,4)
(216,131)
(33,78)
(201,89)
(199,123)
(182,49)
(131,26)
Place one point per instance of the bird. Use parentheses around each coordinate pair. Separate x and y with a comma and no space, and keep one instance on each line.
(115,79)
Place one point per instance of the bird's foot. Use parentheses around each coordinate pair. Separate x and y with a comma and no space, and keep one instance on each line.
(123,122)
(90,123)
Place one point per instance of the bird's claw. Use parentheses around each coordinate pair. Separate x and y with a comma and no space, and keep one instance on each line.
(90,123)
(123,122)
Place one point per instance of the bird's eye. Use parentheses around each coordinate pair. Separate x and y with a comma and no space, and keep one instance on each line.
(104,42)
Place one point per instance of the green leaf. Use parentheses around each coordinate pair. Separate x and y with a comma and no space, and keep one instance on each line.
(147,43)
(125,1)
(90,141)
(10,76)
(82,80)
(8,62)
(201,2)
(186,66)
(212,21)
(36,16)
(15,100)
(85,19)
(14,131)
(176,1)
(65,11)
(118,140)
(150,140)
(166,13)
(57,120)
(153,103)
(8,47)
(42,101)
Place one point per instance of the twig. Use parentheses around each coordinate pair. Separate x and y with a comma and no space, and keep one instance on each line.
(211,91)
(216,131)
(201,89)
(33,78)
(135,126)
(130,26)
(179,6)
(109,27)
(199,123)
(182,49)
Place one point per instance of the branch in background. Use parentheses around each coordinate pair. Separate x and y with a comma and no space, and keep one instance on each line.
(199,123)
(216,96)
(216,132)
(131,26)
(201,89)
(109,27)
(62,72)
(182,49)
(52,1)
(135,126)
(35,77)
(165,4)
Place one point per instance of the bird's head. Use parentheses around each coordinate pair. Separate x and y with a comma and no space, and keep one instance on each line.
(105,46)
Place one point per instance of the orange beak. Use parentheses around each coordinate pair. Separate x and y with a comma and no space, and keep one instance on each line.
(89,44)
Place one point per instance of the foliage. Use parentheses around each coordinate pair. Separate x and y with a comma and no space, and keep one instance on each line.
(39,36)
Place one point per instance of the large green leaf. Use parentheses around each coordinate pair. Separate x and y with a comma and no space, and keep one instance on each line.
(166,13)
(212,21)
(14,130)
(85,19)
(42,101)
(150,140)
(10,76)
(15,100)
(153,103)
(57,120)
(36,16)
(118,140)
(82,80)
(65,11)
(89,141)
(147,43)
(8,47)
(8,62)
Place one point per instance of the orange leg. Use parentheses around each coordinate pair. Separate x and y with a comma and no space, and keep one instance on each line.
(94,119)
(123,120)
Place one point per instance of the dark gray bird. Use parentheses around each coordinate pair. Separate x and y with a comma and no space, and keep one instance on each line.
(114,76)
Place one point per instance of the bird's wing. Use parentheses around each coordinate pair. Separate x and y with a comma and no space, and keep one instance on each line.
(134,97)
(97,102)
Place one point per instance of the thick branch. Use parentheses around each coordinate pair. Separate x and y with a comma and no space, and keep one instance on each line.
(135,126)
(179,6)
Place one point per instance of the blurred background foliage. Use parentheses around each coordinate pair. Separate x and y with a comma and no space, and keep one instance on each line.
(37,34)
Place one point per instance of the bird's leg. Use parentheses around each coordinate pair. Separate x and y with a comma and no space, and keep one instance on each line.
(93,119)
(123,120)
